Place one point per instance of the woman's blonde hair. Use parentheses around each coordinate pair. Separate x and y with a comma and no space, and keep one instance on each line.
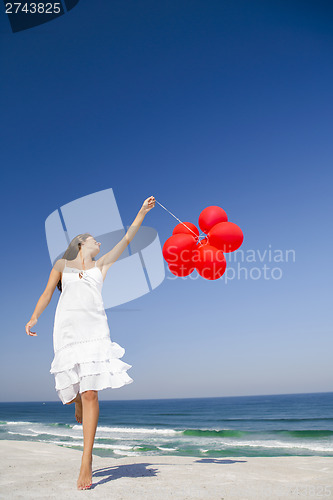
(73,249)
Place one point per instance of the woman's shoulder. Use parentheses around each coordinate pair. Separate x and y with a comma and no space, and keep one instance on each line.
(59,265)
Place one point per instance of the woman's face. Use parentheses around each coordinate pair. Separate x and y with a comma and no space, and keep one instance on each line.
(92,245)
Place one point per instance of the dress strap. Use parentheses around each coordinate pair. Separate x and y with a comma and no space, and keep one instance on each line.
(95,262)
(64,265)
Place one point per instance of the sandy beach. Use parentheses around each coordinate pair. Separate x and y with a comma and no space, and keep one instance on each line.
(40,470)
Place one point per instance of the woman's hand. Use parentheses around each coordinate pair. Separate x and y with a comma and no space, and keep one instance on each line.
(148,204)
(29,325)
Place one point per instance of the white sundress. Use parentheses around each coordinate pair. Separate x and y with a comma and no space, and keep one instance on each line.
(85,358)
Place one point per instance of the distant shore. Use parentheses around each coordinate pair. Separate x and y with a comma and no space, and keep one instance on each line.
(47,471)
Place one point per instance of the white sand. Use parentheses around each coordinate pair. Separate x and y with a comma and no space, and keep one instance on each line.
(40,470)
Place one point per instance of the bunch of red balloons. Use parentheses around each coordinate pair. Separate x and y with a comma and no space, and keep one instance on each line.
(184,251)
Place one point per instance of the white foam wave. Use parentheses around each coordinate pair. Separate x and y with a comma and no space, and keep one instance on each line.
(128,453)
(64,443)
(52,433)
(19,433)
(276,444)
(134,430)
(18,423)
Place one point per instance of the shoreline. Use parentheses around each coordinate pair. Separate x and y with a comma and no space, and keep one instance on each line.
(48,471)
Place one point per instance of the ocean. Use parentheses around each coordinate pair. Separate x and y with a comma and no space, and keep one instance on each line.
(252,426)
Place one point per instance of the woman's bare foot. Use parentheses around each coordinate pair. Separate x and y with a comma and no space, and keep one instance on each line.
(78,408)
(85,476)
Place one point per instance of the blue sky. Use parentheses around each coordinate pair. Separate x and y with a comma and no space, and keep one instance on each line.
(197,103)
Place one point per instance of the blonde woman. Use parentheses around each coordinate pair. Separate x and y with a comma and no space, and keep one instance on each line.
(85,359)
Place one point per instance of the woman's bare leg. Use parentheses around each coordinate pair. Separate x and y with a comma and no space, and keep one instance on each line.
(78,407)
(90,407)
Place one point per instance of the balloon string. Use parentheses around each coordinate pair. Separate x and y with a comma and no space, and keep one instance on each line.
(201,234)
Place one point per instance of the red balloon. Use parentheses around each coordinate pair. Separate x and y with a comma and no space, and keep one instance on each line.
(182,269)
(209,262)
(210,216)
(181,228)
(178,249)
(226,236)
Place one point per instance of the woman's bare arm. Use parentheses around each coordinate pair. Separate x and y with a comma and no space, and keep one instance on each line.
(45,298)
(109,258)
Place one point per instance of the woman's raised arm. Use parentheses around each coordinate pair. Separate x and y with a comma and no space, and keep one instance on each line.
(109,258)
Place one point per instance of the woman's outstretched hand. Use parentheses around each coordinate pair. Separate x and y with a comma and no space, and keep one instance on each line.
(148,204)
(29,325)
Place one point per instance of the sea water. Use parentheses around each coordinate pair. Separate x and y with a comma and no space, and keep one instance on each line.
(261,426)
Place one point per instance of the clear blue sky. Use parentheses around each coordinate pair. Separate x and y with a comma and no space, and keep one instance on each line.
(197,103)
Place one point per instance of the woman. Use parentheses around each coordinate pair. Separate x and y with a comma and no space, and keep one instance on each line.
(85,358)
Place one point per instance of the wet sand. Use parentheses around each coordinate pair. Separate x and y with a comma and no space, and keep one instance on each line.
(47,471)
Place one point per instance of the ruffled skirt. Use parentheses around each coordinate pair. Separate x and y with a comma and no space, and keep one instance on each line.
(89,365)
